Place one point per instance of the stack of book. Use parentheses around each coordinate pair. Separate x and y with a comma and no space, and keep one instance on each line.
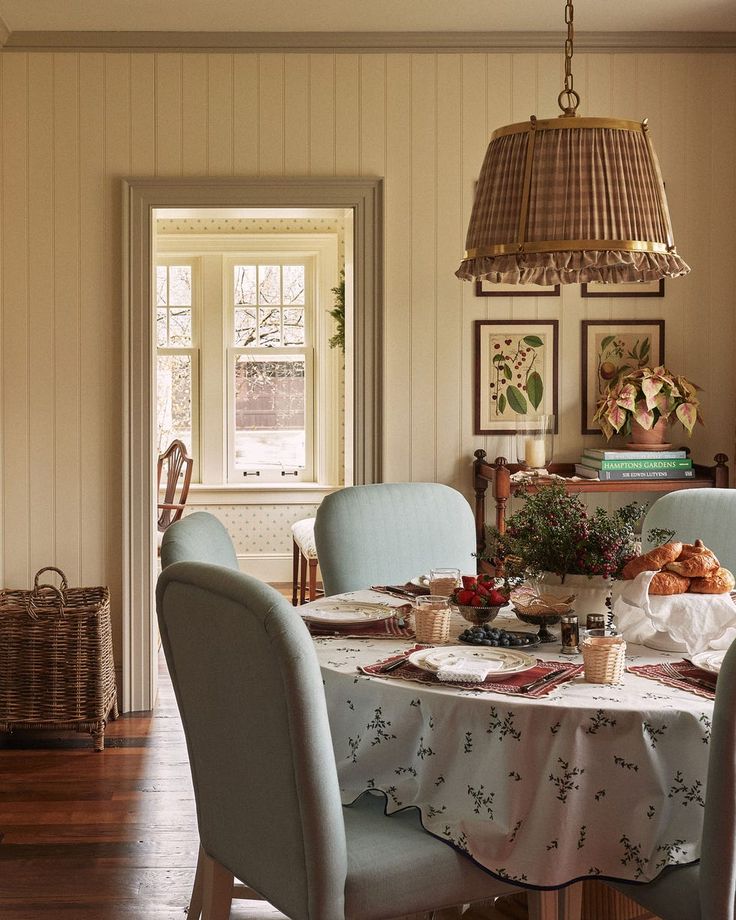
(634,464)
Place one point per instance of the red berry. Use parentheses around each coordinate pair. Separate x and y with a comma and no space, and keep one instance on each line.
(465,596)
(478,601)
(469,581)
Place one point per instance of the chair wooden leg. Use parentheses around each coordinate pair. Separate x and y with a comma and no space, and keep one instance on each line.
(302,578)
(194,911)
(217,890)
(571,902)
(543,905)
(312,579)
(294,572)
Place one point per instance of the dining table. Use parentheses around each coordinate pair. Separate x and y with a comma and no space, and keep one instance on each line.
(543,789)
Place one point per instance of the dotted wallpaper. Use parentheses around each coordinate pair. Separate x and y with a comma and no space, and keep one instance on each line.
(260,529)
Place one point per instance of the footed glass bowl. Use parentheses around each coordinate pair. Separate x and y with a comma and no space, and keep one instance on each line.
(542,620)
(477,615)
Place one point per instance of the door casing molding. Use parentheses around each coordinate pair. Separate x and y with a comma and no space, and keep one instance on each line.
(362,198)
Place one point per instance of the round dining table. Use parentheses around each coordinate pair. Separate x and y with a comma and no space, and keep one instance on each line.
(588,781)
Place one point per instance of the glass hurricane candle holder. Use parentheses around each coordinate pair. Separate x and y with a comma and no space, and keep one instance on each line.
(535,441)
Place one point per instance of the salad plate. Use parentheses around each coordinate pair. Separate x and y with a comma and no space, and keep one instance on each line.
(505,661)
(346,613)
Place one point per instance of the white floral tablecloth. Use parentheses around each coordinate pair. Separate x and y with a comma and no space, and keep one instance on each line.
(590,780)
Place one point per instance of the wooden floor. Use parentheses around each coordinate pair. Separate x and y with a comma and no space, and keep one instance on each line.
(111,836)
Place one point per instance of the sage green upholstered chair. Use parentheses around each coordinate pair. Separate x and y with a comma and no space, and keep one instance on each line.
(391,532)
(706,891)
(198,537)
(252,703)
(708,514)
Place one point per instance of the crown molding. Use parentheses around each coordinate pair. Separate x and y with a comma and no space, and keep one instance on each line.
(4,32)
(365,42)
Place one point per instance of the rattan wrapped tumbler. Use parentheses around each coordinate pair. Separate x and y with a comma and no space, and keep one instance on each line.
(432,616)
(604,656)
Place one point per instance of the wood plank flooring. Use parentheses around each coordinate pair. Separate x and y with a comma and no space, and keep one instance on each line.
(112,835)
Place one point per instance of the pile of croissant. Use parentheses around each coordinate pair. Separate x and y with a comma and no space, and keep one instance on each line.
(682,567)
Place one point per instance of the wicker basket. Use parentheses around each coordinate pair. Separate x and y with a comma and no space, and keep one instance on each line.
(604,660)
(56,662)
(432,627)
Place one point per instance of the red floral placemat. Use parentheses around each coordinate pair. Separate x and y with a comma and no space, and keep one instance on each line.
(377,629)
(512,685)
(680,674)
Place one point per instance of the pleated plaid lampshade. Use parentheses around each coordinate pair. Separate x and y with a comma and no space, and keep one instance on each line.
(569,200)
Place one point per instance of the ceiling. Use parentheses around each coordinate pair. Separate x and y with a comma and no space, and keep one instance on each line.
(362,16)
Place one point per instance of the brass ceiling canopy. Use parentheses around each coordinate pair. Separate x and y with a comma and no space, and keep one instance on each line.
(570,199)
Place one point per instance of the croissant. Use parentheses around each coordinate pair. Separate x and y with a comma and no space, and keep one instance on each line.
(721,581)
(668,583)
(698,565)
(652,561)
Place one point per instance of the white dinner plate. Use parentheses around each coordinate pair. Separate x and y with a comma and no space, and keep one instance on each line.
(421,581)
(347,613)
(511,661)
(710,660)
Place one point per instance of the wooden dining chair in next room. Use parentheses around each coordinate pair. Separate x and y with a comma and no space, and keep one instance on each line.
(174,474)
(391,532)
(250,694)
(706,890)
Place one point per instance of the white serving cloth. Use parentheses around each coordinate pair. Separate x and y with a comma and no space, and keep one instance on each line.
(690,623)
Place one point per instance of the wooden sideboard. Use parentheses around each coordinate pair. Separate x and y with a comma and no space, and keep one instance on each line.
(498,474)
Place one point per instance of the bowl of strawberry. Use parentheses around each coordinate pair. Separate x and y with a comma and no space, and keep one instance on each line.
(479,599)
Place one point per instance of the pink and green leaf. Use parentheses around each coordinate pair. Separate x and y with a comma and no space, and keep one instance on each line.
(643,415)
(687,414)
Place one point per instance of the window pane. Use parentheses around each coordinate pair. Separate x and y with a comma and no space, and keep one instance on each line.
(270,402)
(269,326)
(180,327)
(245,284)
(269,284)
(293,284)
(174,400)
(161,285)
(180,285)
(245,327)
(162,333)
(293,327)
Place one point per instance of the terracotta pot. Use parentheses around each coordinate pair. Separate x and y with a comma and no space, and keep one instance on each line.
(657,434)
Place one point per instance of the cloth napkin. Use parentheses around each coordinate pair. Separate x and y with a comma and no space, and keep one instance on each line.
(408,588)
(676,674)
(468,670)
(691,622)
(376,629)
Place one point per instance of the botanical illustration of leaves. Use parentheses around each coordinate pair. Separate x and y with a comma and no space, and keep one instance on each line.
(644,350)
(517,400)
(497,358)
(534,389)
(533,340)
(507,372)
(607,341)
(502,403)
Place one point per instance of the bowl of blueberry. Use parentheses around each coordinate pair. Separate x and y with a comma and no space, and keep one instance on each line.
(497,638)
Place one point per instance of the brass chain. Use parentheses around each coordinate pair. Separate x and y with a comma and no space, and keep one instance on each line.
(568,100)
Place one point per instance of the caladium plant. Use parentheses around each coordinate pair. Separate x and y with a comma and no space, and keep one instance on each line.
(647,395)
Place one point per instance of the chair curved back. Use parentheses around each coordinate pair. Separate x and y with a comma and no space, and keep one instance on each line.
(252,703)
(391,532)
(176,465)
(718,845)
(708,514)
(198,537)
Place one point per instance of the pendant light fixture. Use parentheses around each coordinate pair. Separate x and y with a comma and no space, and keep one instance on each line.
(570,199)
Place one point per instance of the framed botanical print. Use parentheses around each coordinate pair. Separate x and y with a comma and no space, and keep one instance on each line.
(623,289)
(485,288)
(609,349)
(515,373)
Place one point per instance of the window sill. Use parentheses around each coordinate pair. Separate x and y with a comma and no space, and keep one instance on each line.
(265,493)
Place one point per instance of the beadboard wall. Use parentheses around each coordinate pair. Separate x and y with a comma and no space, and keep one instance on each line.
(74,124)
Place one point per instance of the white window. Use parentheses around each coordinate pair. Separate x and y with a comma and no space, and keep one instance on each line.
(177,370)
(271,371)
(245,374)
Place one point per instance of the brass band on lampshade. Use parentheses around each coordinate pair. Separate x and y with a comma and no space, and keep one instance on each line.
(570,199)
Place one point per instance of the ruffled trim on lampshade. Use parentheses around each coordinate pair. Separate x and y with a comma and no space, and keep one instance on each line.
(573,267)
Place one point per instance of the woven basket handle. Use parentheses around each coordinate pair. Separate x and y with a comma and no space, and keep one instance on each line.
(32,605)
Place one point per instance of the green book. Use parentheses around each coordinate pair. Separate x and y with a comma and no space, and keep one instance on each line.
(677,463)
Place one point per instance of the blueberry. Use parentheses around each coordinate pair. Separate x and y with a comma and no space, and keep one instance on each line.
(505,642)
(494,642)
(517,640)
(488,642)
(476,641)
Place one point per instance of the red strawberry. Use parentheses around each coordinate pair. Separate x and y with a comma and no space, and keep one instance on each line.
(486,579)
(464,597)
(469,581)
(478,601)
(496,598)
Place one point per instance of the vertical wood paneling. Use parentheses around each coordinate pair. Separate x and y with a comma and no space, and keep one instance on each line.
(66,324)
(423,267)
(41,351)
(16,370)
(73,125)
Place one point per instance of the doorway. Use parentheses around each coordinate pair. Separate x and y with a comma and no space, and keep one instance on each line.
(358,202)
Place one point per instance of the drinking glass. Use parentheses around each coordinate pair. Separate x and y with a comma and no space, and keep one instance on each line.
(442,582)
